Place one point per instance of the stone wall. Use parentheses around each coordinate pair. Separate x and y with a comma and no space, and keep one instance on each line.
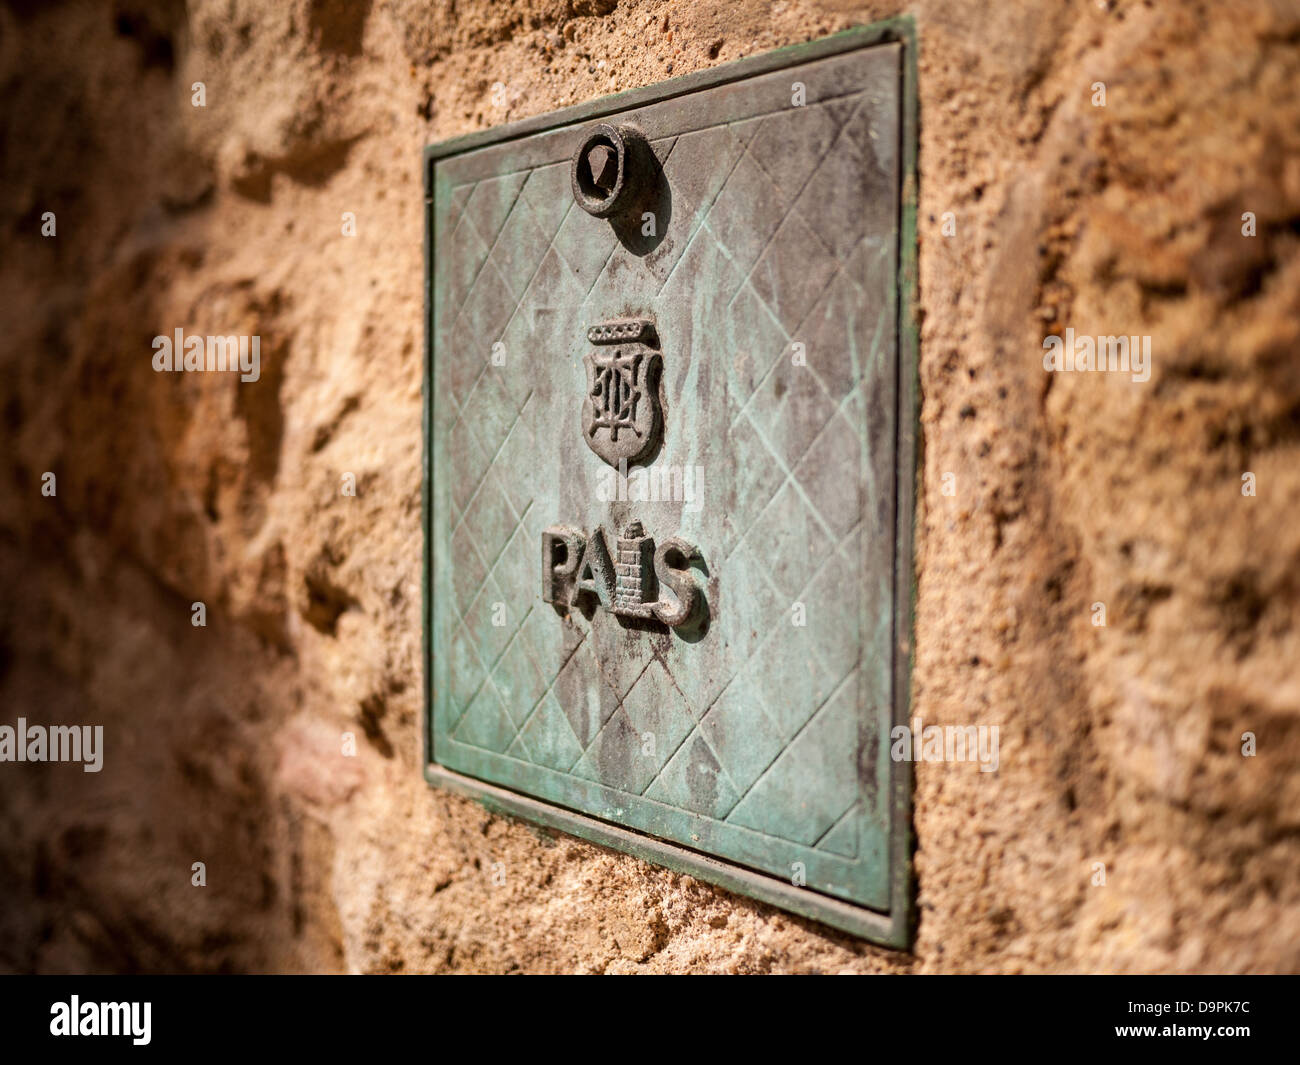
(1120,744)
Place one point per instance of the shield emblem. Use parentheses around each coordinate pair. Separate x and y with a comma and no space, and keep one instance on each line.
(621,415)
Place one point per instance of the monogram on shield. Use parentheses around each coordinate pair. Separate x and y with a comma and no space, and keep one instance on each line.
(621,415)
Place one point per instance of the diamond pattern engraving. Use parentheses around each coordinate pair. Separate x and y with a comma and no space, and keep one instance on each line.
(549,738)
(780,239)
(825,750)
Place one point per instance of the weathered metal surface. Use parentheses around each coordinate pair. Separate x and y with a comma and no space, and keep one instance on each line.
(667,348)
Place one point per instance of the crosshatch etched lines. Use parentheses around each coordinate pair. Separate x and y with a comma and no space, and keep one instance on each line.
(699,227)
(478,485)
(841,272)
(703,225)
(466,219)
(695,731)
(641,792)
(661,804)
(788,478)
(792,201)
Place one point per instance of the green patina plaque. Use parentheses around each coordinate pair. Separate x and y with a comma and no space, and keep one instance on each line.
(670,453)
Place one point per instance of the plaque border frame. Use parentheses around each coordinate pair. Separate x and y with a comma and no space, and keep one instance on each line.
(894,927)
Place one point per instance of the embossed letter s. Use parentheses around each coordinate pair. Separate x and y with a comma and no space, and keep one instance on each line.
(672,567)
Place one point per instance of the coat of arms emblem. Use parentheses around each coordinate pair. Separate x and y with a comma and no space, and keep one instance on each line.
(621,416)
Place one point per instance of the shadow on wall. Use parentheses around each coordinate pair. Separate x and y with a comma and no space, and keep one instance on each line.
(97,869)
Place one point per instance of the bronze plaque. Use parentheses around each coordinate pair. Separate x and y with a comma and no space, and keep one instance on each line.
(671,423)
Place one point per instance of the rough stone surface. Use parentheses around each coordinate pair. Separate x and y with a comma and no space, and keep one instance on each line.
(1120,744)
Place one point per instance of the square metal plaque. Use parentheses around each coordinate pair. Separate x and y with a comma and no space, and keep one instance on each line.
(670,452)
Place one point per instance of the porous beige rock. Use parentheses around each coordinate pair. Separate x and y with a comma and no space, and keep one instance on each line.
(1121,745)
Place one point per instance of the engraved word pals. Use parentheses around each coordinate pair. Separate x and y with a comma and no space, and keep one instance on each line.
(627,582)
